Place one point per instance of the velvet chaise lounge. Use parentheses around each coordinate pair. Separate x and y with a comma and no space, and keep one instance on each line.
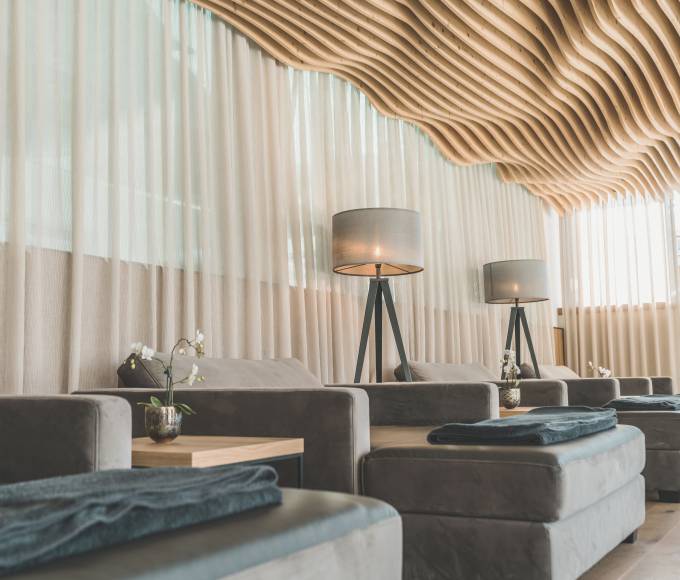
(312,534)
(572,390)
(552,511)
(661,429)
(660,385)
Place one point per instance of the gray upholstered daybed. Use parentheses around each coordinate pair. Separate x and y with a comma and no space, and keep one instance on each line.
(489,511)
(661,428)
(312,534)
(661,385)
(509,512)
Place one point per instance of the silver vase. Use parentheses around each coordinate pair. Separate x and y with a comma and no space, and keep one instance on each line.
(163,424)
(509,397)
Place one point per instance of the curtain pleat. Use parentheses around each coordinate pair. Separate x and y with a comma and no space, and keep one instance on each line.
(15,269)
(159,172)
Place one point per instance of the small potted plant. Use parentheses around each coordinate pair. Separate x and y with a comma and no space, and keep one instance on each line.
(509,393)
(163,416)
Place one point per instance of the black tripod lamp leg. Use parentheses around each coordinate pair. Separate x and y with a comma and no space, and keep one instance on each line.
(511,329)
(530,344)
(368,314)
(518,335)
(378,334)
(391,311)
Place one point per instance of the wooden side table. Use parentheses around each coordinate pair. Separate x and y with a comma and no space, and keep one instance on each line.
(210,451)
(516,411)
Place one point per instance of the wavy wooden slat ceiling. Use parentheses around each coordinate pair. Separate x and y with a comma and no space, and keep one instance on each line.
(575,99)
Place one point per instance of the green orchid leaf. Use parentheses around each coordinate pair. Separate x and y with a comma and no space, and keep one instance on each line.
(185,408)
(155,401)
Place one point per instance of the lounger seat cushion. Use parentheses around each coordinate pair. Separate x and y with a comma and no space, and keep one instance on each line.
(531,483)
(346,536)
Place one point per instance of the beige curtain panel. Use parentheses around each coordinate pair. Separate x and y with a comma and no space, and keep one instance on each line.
(620,286)
(159,172)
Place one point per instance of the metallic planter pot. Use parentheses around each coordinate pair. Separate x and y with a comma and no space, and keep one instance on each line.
(163,424)
(509,397)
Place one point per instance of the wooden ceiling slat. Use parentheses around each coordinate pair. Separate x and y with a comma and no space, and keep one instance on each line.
(577,100)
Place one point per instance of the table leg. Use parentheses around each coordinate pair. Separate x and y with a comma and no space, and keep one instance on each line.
(300,470)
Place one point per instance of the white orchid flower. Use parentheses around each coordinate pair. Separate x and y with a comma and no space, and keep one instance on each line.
(604,372)
(198,344)
(182,351)
(191,379)
(136,347)
(200,337)
(147,353)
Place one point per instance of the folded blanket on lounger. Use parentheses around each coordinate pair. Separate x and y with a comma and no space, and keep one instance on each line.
(52,518)
(646,403)
(542,426)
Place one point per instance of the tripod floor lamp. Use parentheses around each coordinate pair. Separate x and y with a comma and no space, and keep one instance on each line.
(378,243)
(517,282)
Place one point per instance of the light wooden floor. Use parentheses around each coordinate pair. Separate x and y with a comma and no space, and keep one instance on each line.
(655,555)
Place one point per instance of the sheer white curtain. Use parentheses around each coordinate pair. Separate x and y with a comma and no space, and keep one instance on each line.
(158,173)
(620,286)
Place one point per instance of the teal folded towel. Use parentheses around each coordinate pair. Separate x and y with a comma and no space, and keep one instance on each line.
(543,426)
(47,519)
(646,403)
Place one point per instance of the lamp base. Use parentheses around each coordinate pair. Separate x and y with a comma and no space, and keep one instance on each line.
(378,290)
(517,318)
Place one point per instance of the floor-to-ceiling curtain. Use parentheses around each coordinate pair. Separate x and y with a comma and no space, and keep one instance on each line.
(159,172)
(620,286)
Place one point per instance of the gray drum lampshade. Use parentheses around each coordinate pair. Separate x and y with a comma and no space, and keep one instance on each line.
(513,281)
(387,236)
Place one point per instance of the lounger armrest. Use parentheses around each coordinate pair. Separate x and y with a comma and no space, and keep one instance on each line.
(333,422)
(48,436)
(662,385)
(635,385)
(542,392)
(592,392)
(430,403)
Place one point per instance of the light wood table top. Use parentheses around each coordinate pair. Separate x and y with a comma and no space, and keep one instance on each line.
(516,411)
(209,451)
(399,436)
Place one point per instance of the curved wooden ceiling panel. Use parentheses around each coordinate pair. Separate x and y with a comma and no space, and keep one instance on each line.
(575,99)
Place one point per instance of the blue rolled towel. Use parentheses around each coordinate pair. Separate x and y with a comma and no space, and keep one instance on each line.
(646,403)
(47,519)
(543,426)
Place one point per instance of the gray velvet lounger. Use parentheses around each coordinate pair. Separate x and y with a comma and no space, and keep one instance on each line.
(330,535)
(312,534)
